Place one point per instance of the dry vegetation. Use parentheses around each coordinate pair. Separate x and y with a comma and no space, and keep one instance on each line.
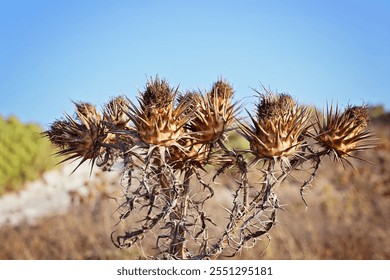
(345,218)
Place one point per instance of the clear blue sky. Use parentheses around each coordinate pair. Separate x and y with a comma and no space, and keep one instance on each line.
(52,52)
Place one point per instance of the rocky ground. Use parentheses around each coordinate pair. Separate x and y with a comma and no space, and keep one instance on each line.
(54,194)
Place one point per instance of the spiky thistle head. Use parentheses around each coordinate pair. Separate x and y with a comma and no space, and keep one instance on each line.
(215,114)
(189,154)
(114,115)
(157,121)
(157,95)
(211,116)
(277,128)
(87,114)
(222,91)
(79,137)
(343,133)
(190,100)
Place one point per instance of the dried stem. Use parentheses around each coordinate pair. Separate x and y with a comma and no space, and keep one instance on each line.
(180,213)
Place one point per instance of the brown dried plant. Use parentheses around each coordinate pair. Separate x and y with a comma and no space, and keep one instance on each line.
(167,140)
(343,133)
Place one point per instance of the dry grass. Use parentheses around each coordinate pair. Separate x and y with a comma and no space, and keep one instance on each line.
(83,233)
(344,222)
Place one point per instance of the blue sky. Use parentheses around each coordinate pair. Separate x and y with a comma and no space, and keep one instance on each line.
(52,52)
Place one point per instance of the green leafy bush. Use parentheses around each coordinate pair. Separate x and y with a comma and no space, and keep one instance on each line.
(24,153)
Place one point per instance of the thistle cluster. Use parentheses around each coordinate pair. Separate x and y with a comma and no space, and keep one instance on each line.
(89,135)
(166,139)
(183,126)
(284,130)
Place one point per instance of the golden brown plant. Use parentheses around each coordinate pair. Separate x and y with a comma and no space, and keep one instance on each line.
(157,121)
(113,114)
(165,142)
(343,133)
(278,126)
(215,114)
(80,137)
(211,116)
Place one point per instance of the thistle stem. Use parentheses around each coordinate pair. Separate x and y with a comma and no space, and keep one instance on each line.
(179,239)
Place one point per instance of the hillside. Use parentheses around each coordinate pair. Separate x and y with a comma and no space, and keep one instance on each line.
(24,153)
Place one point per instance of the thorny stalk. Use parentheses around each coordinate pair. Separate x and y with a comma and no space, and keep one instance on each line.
(169,143)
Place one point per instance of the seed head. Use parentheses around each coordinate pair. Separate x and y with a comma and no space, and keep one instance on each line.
(223,91)
(190,100)
(344,132)
(158,94)
(210,116)
(86,113)
(114,114)
(156,120)
(215,114)
(81,137)
(277,127)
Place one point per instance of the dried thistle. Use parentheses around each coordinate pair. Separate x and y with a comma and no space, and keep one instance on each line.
(277,128)
(87,113)
(82,137)
(222,91)
(165,142)
(343,133)
(158,95)
(114,115)
(215,114)
(157,121)
(212,116)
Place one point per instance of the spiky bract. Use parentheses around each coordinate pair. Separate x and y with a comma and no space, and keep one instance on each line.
(344,132)
(157,121)
(277,127)
(113,114)
(215,114)
(79,137)
(212,115)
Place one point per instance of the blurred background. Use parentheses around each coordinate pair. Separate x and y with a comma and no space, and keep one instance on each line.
(55,52)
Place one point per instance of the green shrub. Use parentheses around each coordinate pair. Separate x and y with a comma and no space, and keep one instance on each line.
(24,153)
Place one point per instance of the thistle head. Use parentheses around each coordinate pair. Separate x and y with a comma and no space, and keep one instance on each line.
(210,116)
(114,115)
(222,91)
(157,95)
(190,100)
(215,113)
(188,154)
(79,137)
(277,128)
(157,121)
(86,113)
(343,133)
